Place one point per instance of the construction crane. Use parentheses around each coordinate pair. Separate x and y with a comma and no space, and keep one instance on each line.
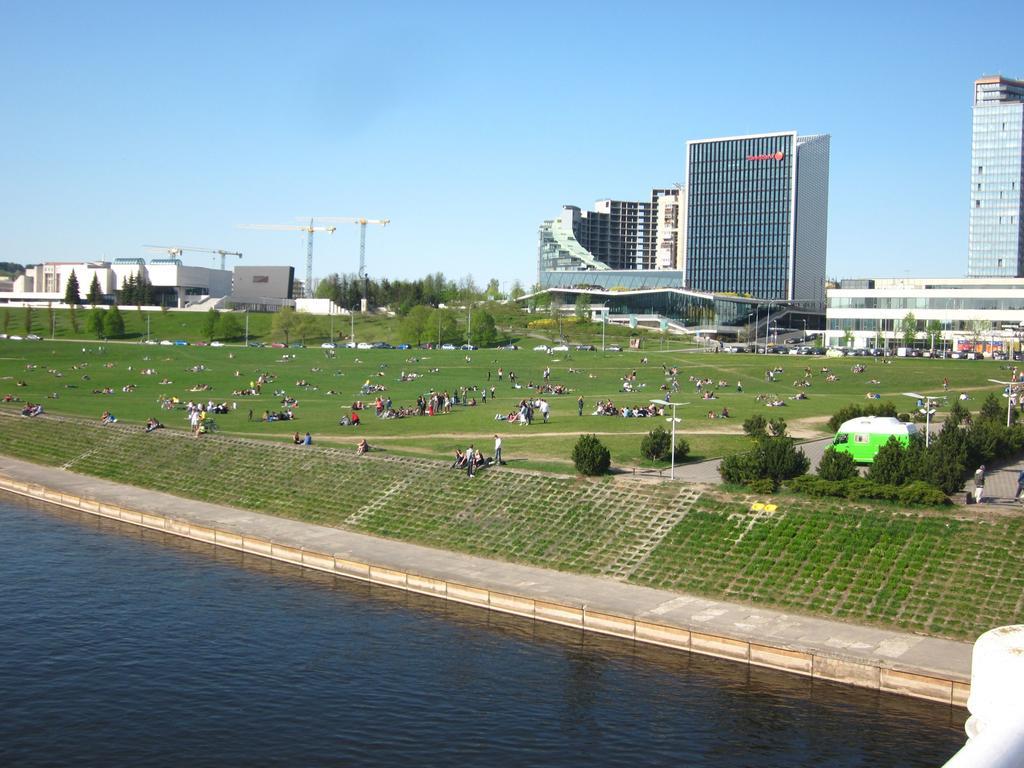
(175,251)
(362,222)
(309,229)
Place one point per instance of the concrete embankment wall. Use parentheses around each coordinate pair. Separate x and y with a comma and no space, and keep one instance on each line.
(867,673)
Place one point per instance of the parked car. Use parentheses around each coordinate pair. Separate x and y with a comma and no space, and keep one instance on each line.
(14,338)
(166,343)
(34,337)
(613,348)
(364,345)
(403,346)
(467,348)
(180,343)
(297,345)
(328,345)
(381,345)
(506,346)
(350,345)
(585,348)
(277,345)
(560,348)
(216,343)
(448,347)
(542,348)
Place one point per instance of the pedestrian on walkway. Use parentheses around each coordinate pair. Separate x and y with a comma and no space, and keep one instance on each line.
(470,461)
(545,410)
(579,405)
(497,450)
(1020,485)
(979,484)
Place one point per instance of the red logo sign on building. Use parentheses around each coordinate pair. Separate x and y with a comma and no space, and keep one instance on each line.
(769,156)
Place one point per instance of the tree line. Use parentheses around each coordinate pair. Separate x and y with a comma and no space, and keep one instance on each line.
(346,290)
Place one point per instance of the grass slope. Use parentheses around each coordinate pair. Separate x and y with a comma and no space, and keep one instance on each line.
(933,572)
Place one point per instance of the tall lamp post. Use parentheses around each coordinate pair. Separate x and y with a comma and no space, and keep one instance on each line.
(1009,386)
(674,421)
(927,400)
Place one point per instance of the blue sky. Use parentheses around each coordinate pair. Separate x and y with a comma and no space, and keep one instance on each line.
(468,124)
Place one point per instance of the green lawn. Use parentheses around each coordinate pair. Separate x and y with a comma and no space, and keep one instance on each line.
(77,373)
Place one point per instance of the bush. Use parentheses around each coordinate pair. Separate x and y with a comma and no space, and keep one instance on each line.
(657,445)
(590,456)
(921,494)
(836,465)
(755,426)
(763,486)
(890,466)
(774,458)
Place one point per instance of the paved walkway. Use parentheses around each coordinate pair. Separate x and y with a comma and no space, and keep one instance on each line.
(707,471)
(866,645)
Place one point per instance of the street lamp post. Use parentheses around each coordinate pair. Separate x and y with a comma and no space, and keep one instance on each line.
(674,420)
(604,325)
(247,327)
(1009,385)
(927,400)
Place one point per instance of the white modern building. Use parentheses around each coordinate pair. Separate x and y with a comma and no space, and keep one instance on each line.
(179,284)
(981,314)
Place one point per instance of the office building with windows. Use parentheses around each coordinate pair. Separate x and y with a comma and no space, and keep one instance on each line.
(757,216)
(996,240)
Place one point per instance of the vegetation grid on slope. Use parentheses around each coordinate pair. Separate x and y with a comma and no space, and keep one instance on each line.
(931,572)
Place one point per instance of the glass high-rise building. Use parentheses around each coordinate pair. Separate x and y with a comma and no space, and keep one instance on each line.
(995,246)
(757,216)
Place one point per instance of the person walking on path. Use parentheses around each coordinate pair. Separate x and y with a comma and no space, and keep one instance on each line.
(1020,485)
(470,461)
(545,410)
(979,484)
(579,405)
(497,450)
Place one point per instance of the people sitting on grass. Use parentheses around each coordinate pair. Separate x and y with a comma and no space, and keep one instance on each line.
(152,424)
(460,460)
(362,447)
(32,409)
(108,418)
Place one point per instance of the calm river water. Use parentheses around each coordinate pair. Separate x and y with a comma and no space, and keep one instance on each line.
(120,646)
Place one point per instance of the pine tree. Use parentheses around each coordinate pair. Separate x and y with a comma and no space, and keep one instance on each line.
(95,293)
(71,295)
(113,322)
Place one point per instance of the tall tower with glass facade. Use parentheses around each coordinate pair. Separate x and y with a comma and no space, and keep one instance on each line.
(757,216)
(995,246)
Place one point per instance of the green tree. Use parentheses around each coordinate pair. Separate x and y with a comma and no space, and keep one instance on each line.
(755,426)
(28,319)
(657,446)
(416,324)
(992,410)
(95,292)
(908,329)
(891,466)
(284,322)
(305,326)
(493,290)
(230,327)
(582,308)
(71,295)
(444,324)
(933,329)
(210,323)
(485,332)
(836,465)
(773,459)
(94,322)
(113,322)
(517,290)
(590,456)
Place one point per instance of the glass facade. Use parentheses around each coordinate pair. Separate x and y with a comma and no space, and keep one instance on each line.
(739,215)
(613,280)
(996,239)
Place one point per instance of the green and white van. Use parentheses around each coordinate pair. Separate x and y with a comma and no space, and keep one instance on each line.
(863,436)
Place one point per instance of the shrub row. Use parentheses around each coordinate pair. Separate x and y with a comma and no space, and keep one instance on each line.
(915,494)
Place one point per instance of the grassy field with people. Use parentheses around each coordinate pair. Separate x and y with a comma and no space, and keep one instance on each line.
(318,387)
